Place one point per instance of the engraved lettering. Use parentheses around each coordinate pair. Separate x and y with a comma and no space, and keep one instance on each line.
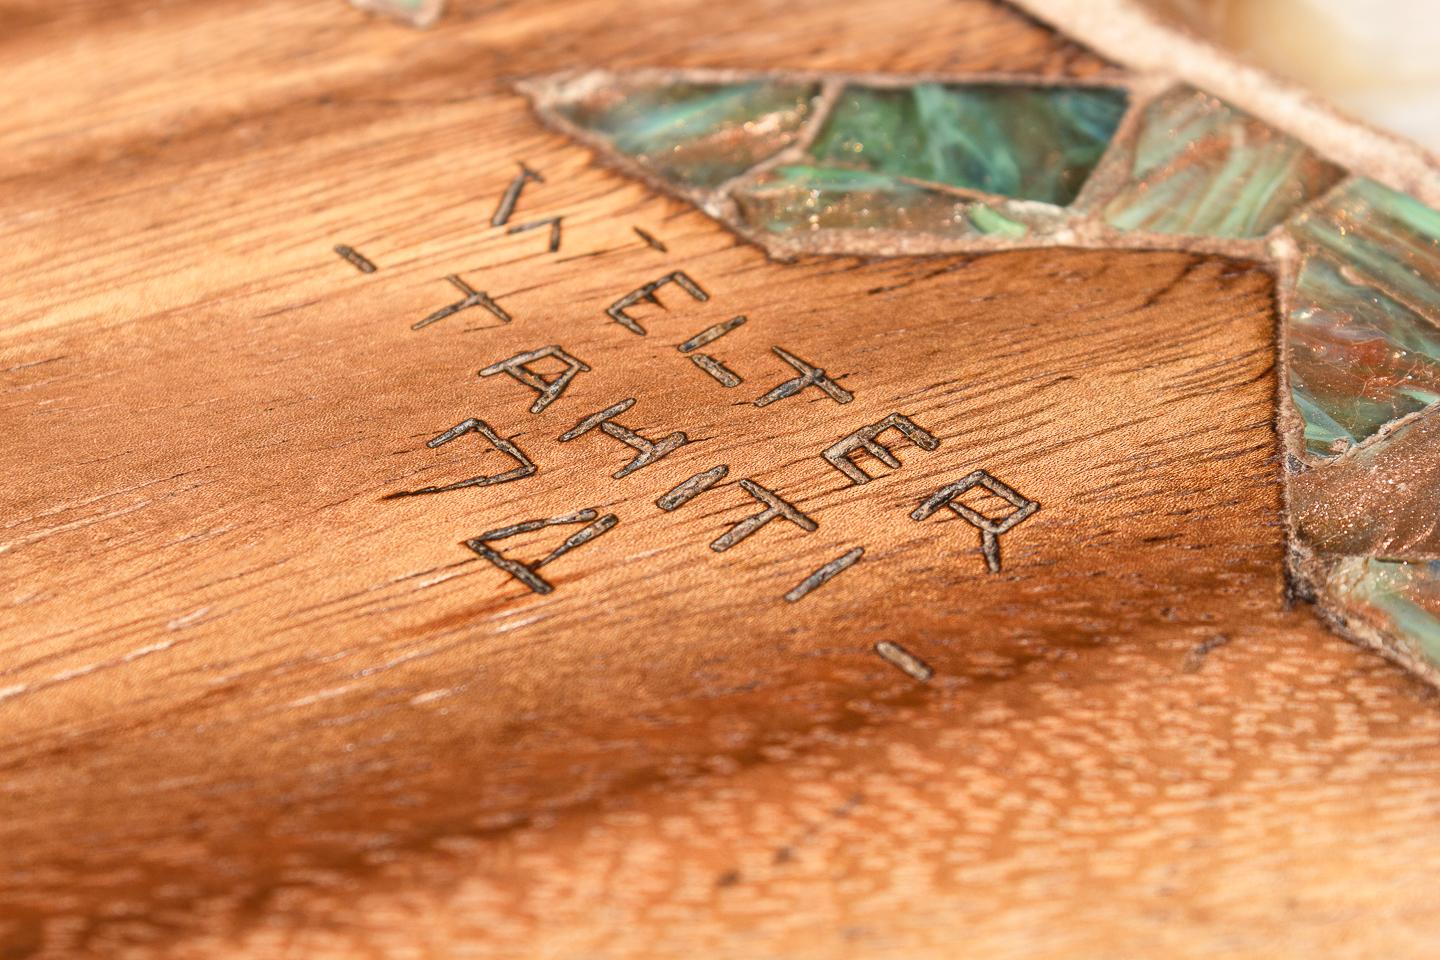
(552,222)
(649,452)
(838,453)
(355,258)
(650,241)
(473,298)
(723,374)
(825,574)
(775,508)
(646,294)
(549,390)
(711,334)
(512,195)
(526,467)
(528,573)
(692,488)
(898,656)
(990,530)
(810,376)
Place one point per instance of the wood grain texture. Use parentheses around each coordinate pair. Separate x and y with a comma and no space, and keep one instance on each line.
(253,709)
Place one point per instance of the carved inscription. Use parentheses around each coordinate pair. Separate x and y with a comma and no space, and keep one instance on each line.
(721,373)
(646,294)
(549,386)
(549,390)
(717,370)
(524,466)
(473,298)
(710,334)
(649,452)
(825,574)
(552,222)
(692,488)
(355,258)
(838,453)
(776,508)
(511,196)
(650,240)
(528,574)
(810,376)
(990,530)
(902,659)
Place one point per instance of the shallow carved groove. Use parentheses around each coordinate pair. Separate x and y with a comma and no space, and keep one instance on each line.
(249,709)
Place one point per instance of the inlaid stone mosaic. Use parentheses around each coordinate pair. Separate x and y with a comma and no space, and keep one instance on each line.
(1364,317)
(695,134)
(1024,142)
(799,198)
(1394,599)
(1201,167)
(1383,500)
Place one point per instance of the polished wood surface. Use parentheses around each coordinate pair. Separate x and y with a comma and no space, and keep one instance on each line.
(251,707)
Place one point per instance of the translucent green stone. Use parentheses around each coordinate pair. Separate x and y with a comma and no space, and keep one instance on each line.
(1401,599)
(1364,319)
(799,199)
(1203,168)
(1026,142)
(696,134)
(1388,237)
(1383,500)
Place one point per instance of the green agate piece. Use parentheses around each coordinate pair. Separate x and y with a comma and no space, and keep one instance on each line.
(1364,315)
(696,134)
(1026,142)
(796,199)
(1382,500)
(1389,237)
(1203,168)
(1403,599)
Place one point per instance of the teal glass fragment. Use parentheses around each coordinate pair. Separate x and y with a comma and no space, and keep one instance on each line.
(1389,237)
(1383,500)
(794,199)
(1364,316)
(696,134)
(1203,168)
(1025,142)
(1402,599)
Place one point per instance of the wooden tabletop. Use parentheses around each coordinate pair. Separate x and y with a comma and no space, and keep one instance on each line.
(253,705)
